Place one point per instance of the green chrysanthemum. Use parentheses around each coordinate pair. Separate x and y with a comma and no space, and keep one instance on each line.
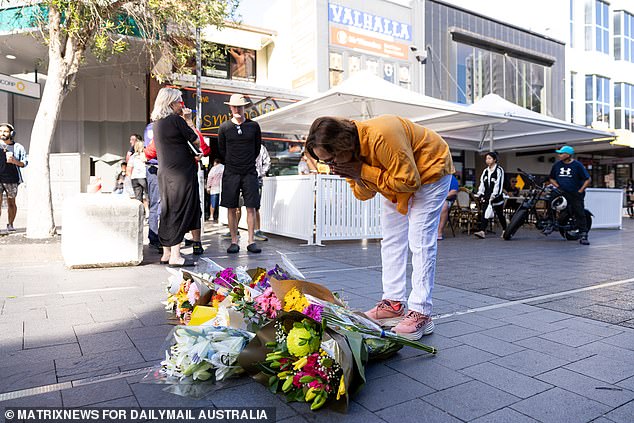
(298,342)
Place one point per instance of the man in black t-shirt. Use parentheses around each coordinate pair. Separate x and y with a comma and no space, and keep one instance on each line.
(239,141)
(572,178)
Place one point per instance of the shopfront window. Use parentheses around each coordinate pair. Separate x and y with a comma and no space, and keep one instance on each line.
(597,99)
(624,106)
(623,36)
(336,69)
(228,62)
(480,72)
(597,26)
(573,78)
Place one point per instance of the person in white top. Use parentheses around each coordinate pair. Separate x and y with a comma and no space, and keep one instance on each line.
(262,165)
(491,192)
(136,171)
(214,187)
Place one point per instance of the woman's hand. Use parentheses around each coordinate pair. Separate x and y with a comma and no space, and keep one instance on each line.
(351,169)
(187,115)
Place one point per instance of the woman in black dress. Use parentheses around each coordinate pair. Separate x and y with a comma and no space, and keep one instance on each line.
(177,174)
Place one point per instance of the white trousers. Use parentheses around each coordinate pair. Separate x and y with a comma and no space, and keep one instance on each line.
(419,230)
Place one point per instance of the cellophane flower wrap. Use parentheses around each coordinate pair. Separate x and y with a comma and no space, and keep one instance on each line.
(306,361)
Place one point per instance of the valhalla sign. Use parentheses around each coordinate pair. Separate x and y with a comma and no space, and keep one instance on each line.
(358,19)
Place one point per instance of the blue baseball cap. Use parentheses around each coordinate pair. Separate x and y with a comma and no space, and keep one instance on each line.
(566,149)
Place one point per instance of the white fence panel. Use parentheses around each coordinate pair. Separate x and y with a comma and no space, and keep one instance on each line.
(606,206)
(287,206)
(341,216)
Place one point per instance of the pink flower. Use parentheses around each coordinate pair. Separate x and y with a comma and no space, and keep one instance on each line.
(193,294)
(268,304)
(314,312)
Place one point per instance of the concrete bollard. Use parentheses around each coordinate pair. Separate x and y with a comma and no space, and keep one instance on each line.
(101,230)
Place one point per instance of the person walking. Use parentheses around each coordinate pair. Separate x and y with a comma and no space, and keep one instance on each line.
(239,141)
(262,165)
(15,159)
(490,192)
(214,187)
(411,166)
(137,171)
(572,178)
(174,136)
(444,214)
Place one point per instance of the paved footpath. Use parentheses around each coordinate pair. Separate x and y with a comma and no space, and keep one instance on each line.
(536,329)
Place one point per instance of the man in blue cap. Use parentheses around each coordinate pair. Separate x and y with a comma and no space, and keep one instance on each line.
(571,177)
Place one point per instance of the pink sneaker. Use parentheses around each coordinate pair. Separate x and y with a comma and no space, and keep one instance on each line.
(414,326)
(387,312)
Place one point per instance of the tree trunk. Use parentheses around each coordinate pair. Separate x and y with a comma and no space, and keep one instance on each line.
(40,221)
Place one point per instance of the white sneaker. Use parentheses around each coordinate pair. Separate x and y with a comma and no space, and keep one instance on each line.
(10,228)
(480,234)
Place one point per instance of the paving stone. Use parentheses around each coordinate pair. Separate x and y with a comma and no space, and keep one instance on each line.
(151,348)
(413,411)
(89,374)
(510,333)
(603,368)
(570,337)
(42,334)
(608,350)
(129,402)
(530,362)
(251,395)
(463,356)
(158,331)
(152,395)
(107,341)
(559,406)
(622,414)
(489,344)
(507,380)
(456,328)
(627,383)
(14,378)
(622,340)
(481,321)
(76,315)
(96,362)
(592,327)
(381,393)
(294,419)
(505,415)
(49,399)
(356,414)
(587,387)
(470,400)
(377,370)
(35,355)
(554,349)
(95,393)
(114,326)
(428,372)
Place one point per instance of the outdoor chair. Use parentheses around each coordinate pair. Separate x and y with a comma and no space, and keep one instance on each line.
(468,210)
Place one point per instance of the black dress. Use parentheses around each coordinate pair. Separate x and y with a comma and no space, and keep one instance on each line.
(178,179)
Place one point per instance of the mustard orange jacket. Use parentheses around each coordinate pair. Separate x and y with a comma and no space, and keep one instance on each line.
(398,157)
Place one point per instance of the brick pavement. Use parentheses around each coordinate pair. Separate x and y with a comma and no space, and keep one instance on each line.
(563,358)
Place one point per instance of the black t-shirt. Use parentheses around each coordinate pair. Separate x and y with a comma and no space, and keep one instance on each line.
(8,171)
(570,177)
(239,151)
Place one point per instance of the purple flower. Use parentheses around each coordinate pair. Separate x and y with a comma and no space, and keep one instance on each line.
(225,278)
(314,312)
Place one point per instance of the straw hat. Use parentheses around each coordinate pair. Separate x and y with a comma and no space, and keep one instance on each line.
(237,100)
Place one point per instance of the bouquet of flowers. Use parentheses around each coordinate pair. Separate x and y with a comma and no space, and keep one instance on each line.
(305,360)
(184,295)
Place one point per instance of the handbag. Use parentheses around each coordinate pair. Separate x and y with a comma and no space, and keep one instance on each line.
(488,213)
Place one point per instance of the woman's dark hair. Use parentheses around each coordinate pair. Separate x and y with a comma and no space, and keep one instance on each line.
(333,135)
(493,155)
(138,137)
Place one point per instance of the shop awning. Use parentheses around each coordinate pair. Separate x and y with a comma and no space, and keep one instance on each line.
(519,128)
(363,96)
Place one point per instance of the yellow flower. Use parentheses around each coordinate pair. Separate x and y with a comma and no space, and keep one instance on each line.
(342,388)
(295,301)
(300,363)
(298,343)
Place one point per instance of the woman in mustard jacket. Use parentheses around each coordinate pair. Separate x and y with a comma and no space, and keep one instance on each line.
(411,167)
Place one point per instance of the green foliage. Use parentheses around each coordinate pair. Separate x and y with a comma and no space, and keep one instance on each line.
(164,28)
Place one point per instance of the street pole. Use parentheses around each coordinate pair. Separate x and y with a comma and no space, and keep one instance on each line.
(199,109)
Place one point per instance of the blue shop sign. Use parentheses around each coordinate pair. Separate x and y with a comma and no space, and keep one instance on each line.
(358,19)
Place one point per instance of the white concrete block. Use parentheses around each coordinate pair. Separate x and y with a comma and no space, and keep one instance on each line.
(102,230)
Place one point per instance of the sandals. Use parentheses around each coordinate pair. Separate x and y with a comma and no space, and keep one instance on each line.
(253,248)
(233,249)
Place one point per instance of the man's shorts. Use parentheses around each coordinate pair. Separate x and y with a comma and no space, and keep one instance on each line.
(234,184)
(9,188)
